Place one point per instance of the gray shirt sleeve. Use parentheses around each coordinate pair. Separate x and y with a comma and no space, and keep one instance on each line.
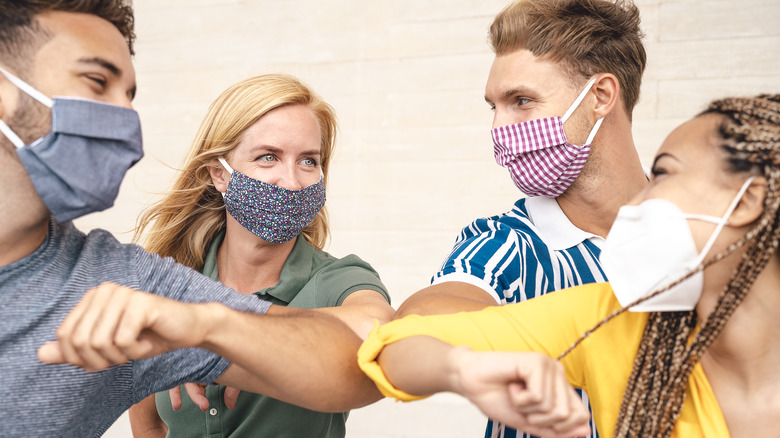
(164,277)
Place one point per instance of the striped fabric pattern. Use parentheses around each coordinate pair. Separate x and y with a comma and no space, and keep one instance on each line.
(538,156)
(506,256)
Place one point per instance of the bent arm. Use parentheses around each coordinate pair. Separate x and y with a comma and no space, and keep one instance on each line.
(443,298)
(527,391)
(298,356)
(548,325)
(303,357)
(360,310)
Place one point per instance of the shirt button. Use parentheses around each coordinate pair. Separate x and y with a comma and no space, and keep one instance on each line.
(213,411)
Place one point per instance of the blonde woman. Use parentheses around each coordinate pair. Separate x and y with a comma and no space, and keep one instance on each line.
(248,210)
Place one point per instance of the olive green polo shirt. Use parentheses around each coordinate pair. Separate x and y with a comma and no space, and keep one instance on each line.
(310,279)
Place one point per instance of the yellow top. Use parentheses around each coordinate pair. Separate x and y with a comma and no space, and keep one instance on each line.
(549,324)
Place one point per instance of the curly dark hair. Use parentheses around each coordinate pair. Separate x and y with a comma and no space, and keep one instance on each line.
(21,35)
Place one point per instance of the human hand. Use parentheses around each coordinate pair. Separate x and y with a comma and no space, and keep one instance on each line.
(197,393)
(113,324)
(526,391)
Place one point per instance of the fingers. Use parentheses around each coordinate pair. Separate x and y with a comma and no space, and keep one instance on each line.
(197,393)
(86,337)
(105,328)
(527,391)
(231,396)
(50,353)
(550,405)
(175,395)
(578,422)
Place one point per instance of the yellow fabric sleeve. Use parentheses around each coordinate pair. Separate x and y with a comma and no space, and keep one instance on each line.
(548,324)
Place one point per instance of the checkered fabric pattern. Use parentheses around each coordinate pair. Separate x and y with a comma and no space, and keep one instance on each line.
(540,160)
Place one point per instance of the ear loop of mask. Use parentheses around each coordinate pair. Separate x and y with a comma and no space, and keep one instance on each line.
(225,165)
(32,92)
(228,168)
(721,222)
(576,104)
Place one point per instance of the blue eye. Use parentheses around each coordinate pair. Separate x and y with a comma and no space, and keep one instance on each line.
(310,162)
(267,157)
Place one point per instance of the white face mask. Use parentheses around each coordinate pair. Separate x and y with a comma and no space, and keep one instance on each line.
(651,246)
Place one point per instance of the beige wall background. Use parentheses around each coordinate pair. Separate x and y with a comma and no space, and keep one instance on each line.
(414,161)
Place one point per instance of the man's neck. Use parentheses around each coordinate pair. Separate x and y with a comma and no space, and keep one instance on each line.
(24,217)
(610,180)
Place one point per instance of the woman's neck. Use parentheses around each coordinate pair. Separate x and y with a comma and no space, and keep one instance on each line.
(748,348)
(248,263)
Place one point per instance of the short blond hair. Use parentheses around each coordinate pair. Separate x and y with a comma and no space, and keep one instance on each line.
(586,36)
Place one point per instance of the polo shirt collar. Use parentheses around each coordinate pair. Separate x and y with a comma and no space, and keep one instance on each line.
(555,229)
(295,272)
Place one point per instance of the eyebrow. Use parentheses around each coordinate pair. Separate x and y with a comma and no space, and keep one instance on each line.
(110,66)
(278,150)
(512,92)
(662,155)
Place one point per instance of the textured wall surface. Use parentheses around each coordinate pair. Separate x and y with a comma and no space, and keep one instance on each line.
(414,161)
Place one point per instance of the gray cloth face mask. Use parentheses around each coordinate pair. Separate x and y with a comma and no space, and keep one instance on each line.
(78,166)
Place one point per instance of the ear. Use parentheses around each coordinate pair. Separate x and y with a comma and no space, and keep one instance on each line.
(220,177)
(5,88)
(607,92)
(751,206)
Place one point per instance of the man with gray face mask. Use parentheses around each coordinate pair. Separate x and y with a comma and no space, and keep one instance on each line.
(63,157)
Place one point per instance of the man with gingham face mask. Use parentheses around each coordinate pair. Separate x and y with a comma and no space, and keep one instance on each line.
(562,89)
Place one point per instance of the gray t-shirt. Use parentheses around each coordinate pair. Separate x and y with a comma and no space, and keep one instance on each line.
(38,291)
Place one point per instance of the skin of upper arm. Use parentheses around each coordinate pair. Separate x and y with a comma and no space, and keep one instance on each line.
(360,309)
(443,298)
(145,422)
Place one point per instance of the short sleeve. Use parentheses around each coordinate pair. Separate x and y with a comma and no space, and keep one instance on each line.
(548,325)
(337,280)
(164,277)
(487,254)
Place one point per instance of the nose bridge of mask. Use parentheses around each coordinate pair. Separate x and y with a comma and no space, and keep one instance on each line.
(720,221)
(32,92)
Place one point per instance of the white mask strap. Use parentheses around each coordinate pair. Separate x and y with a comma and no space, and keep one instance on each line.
(225,165)
(12,137)
(578,100)
(594,131)
(722,222)
(27,88)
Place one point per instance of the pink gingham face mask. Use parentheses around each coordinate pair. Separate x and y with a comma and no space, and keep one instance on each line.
(540,160)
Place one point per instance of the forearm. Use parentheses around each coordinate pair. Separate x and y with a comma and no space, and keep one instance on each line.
(302,357)
(420,365)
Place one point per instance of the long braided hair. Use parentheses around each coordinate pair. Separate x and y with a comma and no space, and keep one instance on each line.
(656,388)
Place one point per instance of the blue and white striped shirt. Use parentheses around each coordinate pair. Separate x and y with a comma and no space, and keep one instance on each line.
(524,253)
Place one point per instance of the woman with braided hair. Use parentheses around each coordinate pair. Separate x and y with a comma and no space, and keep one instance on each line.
(694,257)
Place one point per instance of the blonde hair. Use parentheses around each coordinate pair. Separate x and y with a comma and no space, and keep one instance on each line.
(185,221)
